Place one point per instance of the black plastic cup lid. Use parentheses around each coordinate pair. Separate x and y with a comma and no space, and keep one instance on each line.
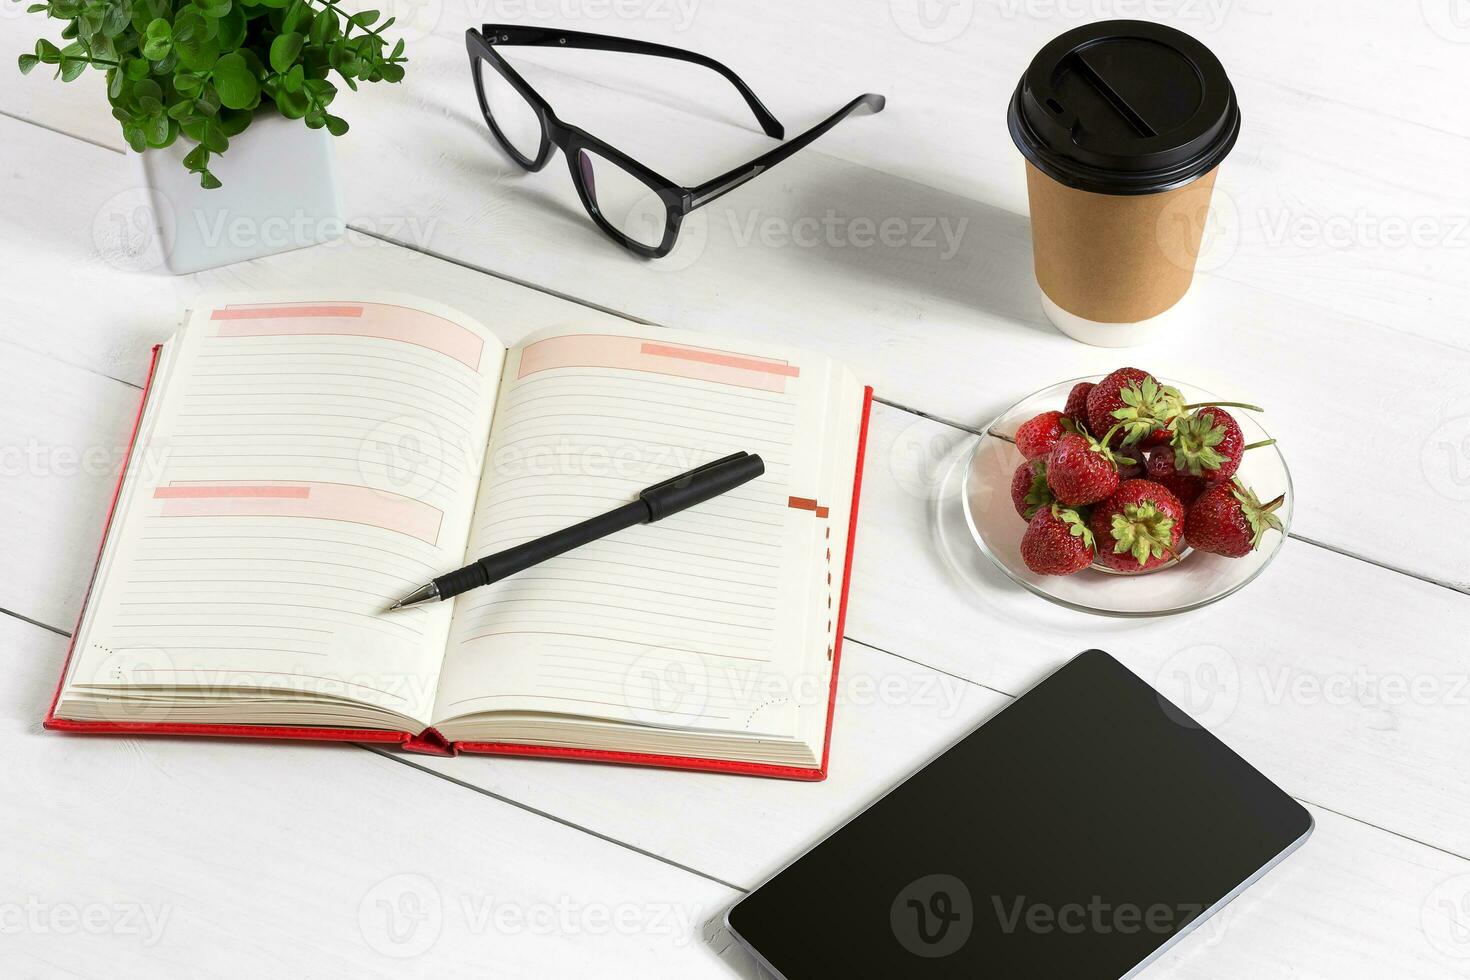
(1124,107)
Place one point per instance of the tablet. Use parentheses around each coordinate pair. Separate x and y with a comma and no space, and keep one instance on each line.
(1078,833)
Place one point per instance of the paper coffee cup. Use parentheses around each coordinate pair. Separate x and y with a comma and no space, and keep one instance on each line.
(1123,125)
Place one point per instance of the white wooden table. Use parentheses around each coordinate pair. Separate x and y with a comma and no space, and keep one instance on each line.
(1337,283)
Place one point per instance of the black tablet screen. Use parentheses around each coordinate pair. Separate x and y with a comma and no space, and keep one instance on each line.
(1073,835)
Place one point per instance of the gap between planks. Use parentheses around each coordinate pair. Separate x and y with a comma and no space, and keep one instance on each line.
(407,761)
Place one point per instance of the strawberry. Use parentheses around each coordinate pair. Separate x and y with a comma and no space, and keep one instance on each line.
(1208,443)
(1036,437)
(1135,401)
(1228,519)
(1161,470)
(1139,527)
(1076,409)
(1081,470)
(1057,542)
(1029,491)
(1130,471)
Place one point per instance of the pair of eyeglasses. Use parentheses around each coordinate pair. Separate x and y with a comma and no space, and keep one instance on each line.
(636,207)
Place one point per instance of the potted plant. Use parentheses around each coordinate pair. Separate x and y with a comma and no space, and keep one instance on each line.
(189,80)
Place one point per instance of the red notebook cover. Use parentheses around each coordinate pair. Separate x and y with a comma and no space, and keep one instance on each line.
(430,742)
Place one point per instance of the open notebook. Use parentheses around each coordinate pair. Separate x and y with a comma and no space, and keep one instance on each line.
(298,465)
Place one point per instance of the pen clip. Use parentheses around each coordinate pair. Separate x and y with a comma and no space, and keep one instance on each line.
(700,484)
(690,474)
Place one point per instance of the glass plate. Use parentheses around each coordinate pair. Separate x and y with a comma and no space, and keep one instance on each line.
(1196,579)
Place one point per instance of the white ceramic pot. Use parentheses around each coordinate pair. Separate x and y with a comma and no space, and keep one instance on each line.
(280,192)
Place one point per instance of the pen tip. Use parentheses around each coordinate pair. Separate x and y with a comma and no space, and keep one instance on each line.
(422,594)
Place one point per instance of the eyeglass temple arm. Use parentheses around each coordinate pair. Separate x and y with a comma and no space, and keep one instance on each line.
(542,37)
(723,184)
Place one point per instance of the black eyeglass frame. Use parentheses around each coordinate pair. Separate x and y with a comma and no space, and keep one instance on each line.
(677,200)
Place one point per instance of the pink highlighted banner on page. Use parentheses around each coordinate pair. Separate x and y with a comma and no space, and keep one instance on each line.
(374,320)
(325,501)
(675,360)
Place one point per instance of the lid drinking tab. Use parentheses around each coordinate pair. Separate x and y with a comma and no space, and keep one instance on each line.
(1124,107)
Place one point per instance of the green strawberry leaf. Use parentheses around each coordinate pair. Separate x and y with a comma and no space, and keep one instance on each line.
(1194,441)
(1076,525)
(1143,531)
(1261,517)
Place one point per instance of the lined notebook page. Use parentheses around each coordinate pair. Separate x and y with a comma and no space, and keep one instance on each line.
(704,620)
(304,465)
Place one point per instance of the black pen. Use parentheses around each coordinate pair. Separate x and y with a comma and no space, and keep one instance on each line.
(655,503)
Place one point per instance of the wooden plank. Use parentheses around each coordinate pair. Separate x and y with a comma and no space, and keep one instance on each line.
(1316,697)
(492,880)
(964,351)
(208,859)
(70,414)
(1356,706)
(1343,191)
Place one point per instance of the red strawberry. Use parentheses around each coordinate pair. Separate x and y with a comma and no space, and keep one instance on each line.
(1139,527)
(1057,542)
(1036,437)
(1135,401)
(1081,470)
(1076,409)
(1130,471)
(1208,443)
(1161,470)
(1029,491)
(1228,519)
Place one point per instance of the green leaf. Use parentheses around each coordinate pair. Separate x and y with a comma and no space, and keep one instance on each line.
(336,125)
(104,49)
(209,181)
(195,39)
(295,79)
(284,51)
(237,87)
(214,137)
(365,18)
(188,26)
(72,68)
(321,91)
(116,20)
(197,159)
(136,69)
(48,53)
(35,8)
(213,8)
(298,18)
(208,101)
(156,130)
(115,83)
(392,73)
(293,105)
(235,121)
(133,133)
(198,55)
(187,83)
(232,29)
(157,40)
(28,62)
(323,30)
(181,110)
